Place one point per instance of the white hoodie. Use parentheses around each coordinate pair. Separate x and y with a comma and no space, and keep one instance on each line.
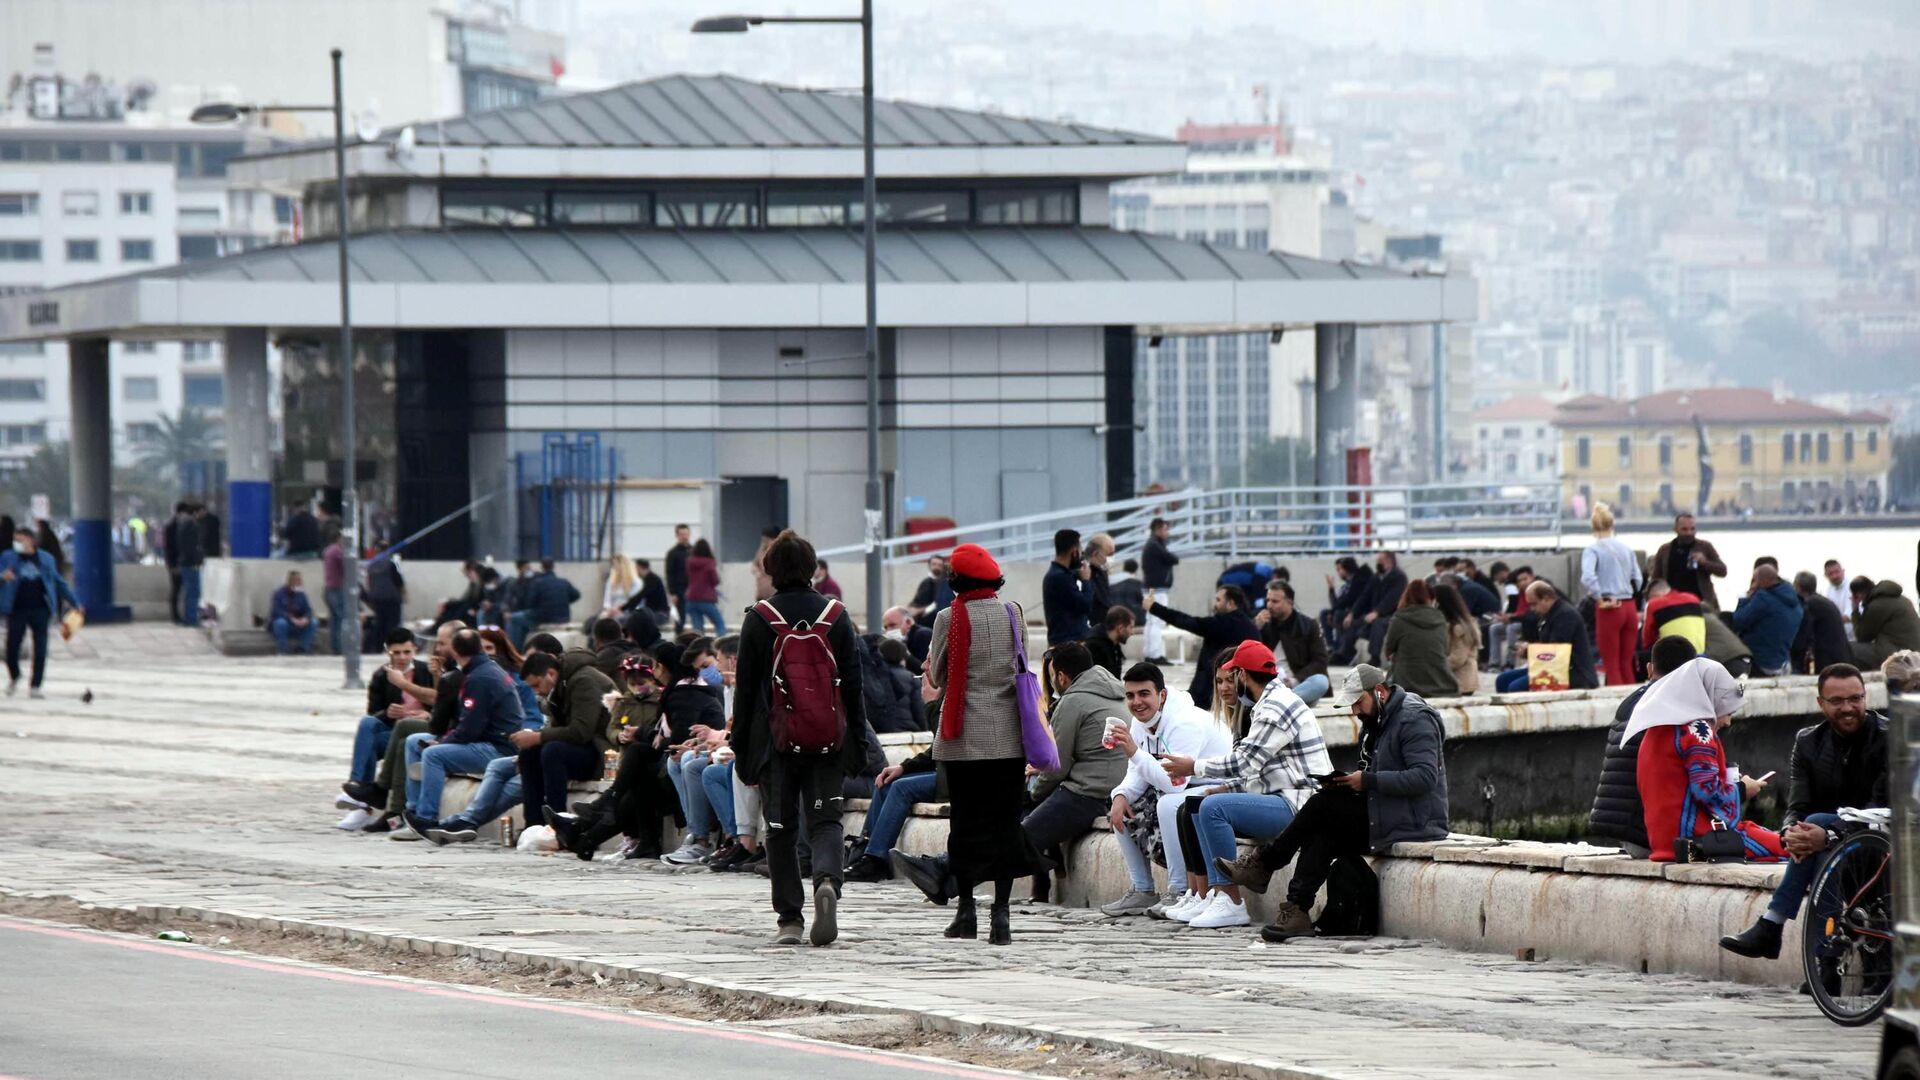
(1181,728)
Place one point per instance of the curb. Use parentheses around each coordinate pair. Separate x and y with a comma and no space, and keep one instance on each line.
(943,1021)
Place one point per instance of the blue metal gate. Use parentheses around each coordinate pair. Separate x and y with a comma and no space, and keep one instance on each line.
(566,496)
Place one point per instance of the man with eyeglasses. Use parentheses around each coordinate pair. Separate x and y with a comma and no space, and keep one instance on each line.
(1839,762)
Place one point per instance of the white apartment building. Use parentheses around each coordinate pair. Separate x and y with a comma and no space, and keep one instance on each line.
(1616,352)
(1515,442)
(89,190)
(1206,401)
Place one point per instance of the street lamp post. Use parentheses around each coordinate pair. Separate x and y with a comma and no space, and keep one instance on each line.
(221,112)
(876,509)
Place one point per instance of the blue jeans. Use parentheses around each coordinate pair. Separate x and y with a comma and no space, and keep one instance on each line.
(369,746)
(337,620)
(1510,682)
(499,790)
(190,596)
(1221,817)
(699,611)
(891,807)
(436,760)
(519,625)
(718,782)
(1313,688)
(290,636)
(685,774)
(1799,877)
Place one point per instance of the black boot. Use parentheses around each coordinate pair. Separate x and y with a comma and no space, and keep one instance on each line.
(966,923)
(868,869)
(998,932)
(1760,941)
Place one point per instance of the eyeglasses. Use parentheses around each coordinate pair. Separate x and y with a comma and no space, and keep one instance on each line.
(1856,699)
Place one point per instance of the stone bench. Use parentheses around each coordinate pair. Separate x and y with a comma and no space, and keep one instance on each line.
(1569,902)
(460,789)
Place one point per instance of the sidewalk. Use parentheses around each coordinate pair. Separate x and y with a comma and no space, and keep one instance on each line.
(206,784)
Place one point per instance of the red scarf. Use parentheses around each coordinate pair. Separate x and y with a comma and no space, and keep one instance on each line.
(959,647)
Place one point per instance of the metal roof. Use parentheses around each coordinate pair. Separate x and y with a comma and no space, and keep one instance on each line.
(786,256)
(722,111)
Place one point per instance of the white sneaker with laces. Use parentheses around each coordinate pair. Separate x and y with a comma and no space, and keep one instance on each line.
(357,819)
(1221,911)
(1190,905)
(403,831)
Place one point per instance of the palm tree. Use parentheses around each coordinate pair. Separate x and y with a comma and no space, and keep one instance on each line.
(48,472)
(179,443)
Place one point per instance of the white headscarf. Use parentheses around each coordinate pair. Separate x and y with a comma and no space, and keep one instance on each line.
(1699,689)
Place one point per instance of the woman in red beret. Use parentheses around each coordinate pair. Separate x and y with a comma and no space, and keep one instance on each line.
(971,661)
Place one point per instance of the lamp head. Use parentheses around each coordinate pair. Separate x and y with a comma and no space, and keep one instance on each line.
(217,112)
(723,24)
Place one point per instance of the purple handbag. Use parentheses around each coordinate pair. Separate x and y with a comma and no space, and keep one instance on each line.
(1035,735)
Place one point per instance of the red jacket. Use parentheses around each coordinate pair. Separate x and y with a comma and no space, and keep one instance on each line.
(1682,776)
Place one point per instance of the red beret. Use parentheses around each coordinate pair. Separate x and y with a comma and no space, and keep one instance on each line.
(972,560)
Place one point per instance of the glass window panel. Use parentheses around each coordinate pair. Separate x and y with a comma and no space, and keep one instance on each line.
(136,251)
(203,391)
(708,210)
(83,251)
(601,208)
(1037,206)
(140,388)
(23,389)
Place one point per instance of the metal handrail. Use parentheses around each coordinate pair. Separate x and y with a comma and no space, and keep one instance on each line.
(1250,521)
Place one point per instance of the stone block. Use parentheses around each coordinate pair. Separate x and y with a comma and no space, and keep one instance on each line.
(1751,875)
(1617,865)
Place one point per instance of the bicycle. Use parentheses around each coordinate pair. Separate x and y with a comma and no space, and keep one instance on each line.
(1847,945)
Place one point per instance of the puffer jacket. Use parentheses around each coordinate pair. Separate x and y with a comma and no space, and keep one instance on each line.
(1767,621)
(1829,772)
(1887,621)
(1617,813)
(1406,776)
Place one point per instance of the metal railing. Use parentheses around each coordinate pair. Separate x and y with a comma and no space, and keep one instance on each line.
(1260,521)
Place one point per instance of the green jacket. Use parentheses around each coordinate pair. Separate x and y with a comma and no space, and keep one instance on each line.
(1416,652)
(580,715)
(1887,621)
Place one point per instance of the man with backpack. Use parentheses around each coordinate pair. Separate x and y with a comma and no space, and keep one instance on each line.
(1398,794)
(799,729)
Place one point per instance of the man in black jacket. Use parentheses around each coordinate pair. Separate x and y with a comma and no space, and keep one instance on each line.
(1389,581)
(1296,639)
(1228,626)
(799,787)
(1341,621)
(677,556)
(1821,640)
(1617,814)
(1109,644)
(1841,761)
(1156,572)
(1551,619)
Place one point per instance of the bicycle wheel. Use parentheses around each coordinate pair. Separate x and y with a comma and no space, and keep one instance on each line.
(1847,943)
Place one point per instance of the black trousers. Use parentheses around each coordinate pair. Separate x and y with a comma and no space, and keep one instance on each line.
(803,792)
(173,594)
(1328,825)
(545,769)
(679,611)
(18,625)
(642,796)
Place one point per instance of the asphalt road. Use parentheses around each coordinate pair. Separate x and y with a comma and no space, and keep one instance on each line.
(81,1005)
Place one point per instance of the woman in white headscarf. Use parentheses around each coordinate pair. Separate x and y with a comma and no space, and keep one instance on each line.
(1686,789)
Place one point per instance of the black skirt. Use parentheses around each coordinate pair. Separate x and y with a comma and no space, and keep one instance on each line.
(984,839)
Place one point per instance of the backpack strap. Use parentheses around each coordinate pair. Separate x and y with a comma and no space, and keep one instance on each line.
(830,614)
(770,613)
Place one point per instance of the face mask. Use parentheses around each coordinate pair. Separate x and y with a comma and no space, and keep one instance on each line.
(20,548)
(894,633)
(711,676)
(1245,700)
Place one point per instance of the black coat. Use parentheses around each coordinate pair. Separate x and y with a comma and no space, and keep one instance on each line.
(1564,626)
(1387,588)
(1822,637)
(1106,654)
(1829,772)
(752,734)
(1298,640)
(1216,633)
(382,694)
(677,568)
(1157,563)
(1406,774)
(1617,813)
(1355,595)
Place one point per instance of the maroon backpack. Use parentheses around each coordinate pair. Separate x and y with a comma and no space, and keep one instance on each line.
(805,710)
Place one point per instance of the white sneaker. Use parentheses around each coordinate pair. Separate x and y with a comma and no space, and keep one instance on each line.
(358,818)
(689,854)
(1190,905)
(344,801)
(403,831)
(1221,911)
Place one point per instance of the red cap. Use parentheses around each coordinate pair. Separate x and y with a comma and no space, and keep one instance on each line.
(972,560)
(1252,656)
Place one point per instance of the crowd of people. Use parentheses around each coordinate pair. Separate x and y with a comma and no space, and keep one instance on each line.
(745,746)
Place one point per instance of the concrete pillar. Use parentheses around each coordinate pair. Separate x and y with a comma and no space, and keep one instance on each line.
(90,396)
(1440,404)
(249,458)
(1336,375)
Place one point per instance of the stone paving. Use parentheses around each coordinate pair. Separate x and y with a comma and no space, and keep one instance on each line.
(193,780)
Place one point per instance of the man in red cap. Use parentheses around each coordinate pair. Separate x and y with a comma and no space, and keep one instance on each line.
(1255,789)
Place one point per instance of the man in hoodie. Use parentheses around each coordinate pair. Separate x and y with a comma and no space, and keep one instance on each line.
(1767,618)
(1144,805)
(489,715)
(1885,624)
(1068,800)
(1230,624)
(573,743)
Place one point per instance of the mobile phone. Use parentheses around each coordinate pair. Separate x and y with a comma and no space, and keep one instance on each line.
(1327,778)
(1764,779)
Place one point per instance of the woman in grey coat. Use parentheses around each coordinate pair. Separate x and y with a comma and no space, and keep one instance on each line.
(972,660)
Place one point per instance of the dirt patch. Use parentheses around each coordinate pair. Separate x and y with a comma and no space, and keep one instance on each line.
(879,1031)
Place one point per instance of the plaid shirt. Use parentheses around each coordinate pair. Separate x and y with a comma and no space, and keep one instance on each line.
(1281,754)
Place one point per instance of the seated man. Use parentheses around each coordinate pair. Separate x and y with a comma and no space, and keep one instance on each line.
(1841,761)
(1768,619)
(290,617)
(499,789)
(1295,641)
(1163,723)
(641,797)
(573,743)
(895,791)
(1398,794)
(386,704)
(1558,622)
(546,599)
(1255,788)
(489,716)
(610,646)
(898,625)
(1617,814)
(1109,644)
(385,792)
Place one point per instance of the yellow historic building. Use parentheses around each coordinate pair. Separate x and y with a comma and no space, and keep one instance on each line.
(1769,453)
